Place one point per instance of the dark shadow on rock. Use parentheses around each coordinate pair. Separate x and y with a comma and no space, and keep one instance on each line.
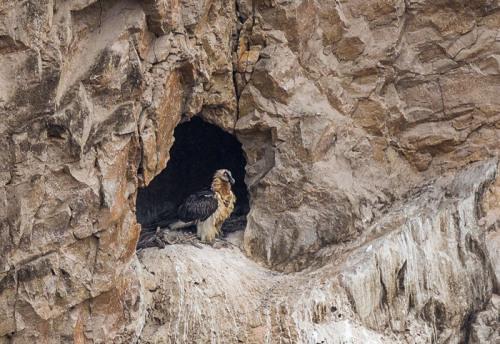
(199,150)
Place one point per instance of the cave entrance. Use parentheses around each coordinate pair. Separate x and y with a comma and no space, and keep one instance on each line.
(200,148)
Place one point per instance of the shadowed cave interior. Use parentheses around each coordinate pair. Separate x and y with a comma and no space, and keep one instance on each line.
(200,148)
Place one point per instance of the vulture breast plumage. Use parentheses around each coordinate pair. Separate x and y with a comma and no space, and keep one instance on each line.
(208,209)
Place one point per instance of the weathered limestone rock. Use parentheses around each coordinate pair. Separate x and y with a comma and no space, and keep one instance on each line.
(371,132)
(89,99)
(486,326)
(416,276)
(395,95)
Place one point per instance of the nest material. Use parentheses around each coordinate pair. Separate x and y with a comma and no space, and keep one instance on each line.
(162,236)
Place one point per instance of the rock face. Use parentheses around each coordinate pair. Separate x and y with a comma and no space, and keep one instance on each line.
(356,103)
(419,274)
(371,132)
(90,94)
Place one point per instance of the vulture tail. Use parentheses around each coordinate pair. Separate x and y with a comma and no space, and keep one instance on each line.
(181,224)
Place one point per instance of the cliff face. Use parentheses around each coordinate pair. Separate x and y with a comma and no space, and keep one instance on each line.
(418,277)
(371,131)
(361,101)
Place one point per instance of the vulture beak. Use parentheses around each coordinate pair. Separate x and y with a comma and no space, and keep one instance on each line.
(231,180)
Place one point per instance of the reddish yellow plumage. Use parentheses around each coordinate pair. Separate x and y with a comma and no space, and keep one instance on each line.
(225,197)
(202,210)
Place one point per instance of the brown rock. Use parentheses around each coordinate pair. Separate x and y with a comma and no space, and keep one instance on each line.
(8,298)
(165,113)
(163,16)
(369,115)
(422,100)
(348,48)
(247,61)
(330,22)
(370,129)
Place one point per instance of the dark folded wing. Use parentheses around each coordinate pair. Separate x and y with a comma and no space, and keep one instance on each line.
(198,206)
(152,215)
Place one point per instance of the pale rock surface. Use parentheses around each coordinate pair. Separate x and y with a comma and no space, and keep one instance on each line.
(417,276)
(486,326)
(89,99)
(371,132)
(356,103)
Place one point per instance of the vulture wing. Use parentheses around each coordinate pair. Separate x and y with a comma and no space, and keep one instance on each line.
(198,206)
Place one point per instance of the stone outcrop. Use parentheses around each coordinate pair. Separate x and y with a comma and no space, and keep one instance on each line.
(91,92)
(486,327)
(417,275)
(371,132)
(355,103)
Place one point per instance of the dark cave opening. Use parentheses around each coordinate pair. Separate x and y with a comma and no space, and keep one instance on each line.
(200,148)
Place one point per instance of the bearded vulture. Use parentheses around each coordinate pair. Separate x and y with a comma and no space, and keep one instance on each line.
(208,209)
